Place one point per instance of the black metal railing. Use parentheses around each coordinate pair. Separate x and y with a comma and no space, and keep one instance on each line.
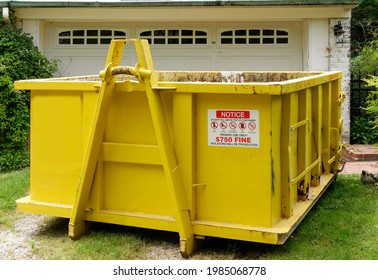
(359,91)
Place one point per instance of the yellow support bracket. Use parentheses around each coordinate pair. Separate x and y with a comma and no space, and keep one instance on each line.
(76,226)
(144,71)
(171,167)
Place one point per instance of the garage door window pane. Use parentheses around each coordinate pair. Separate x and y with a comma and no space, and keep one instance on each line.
(175,41)
(106,33)
(282,33)
(145,33)
(78,41)
(64,41)
(92,41)
(254,41)
(65,34)
(187,41)
(240,32)
(268,32)
(105,41)
(188,33)
(226,41)
(254,32)
(240,41)
(268,41)
(91,36)
(201,33)
(78,33)
(282,41)
(159,33)
(227,33)
(174,36)
(254,37)
(159,41)
(92,33)
(173,32)
(119,33)
(201,41)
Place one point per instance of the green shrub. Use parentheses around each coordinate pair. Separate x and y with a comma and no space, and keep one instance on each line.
(372,105)
(362,132)
(366,62)
(19,59)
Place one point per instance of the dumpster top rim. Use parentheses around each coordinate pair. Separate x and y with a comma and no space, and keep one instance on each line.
(162,3)
(258,82)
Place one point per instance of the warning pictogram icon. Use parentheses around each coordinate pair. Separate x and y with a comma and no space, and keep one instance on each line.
(233,125)
(214,125)
(252,125)
(223,125)
(242,125)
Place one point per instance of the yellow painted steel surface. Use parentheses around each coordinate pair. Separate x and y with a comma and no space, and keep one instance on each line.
(241,155)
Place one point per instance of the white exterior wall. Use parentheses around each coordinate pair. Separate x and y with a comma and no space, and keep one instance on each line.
(316,45)
(35,28)
(339,59)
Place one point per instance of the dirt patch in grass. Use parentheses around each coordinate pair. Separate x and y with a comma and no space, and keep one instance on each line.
(30,237)
(17,242)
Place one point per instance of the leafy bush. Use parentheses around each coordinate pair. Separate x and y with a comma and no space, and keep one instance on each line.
(366,62)
(372,105)
(373,97)
(361,131)
(19,59)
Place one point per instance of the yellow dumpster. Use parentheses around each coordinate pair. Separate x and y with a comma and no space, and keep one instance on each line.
(241,155)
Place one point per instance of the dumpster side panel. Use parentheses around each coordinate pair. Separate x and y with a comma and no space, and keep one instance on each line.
(57,145)
(237,180)
(136,188)
(129,175)
(129,120)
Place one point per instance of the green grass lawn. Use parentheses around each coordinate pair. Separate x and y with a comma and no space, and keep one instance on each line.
(343,225)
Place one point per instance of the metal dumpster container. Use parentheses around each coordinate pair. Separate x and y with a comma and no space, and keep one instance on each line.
(241,155)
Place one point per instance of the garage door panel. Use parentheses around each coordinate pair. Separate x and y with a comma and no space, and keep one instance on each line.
(182,62)
(257,63)
(83,65)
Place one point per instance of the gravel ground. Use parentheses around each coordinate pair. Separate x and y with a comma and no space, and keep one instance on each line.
(16,242)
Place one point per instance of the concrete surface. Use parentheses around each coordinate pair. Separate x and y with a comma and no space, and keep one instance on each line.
(360,157)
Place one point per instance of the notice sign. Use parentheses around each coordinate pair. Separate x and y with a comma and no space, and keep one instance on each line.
(233,128)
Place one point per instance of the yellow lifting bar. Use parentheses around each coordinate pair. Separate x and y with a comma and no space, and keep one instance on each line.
(145,73)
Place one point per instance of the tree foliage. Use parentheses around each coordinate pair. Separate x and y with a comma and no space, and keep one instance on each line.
(364,39)
(19,59)
(364,25)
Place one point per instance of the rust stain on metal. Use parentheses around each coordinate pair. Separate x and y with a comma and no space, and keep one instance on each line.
(303,190)
(315,180)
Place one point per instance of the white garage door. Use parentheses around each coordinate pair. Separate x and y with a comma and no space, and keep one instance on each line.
(81,48)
